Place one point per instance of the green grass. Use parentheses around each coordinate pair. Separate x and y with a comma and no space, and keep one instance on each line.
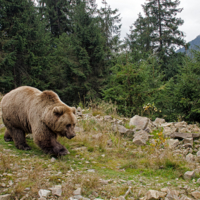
(118,162)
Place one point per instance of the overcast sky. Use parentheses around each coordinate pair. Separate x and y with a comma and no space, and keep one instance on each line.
(130,9)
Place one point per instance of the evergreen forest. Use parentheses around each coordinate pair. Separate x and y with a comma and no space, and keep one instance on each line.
(74,48)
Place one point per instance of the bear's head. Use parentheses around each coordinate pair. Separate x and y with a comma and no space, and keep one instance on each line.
(61,120)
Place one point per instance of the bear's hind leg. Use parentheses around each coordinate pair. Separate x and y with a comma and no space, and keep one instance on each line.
(18,137)
(7,136)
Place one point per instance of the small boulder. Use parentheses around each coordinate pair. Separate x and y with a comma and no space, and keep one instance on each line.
(140,123)
(77,192)
(188,141)
(5,197)
(159,121)
(189,175)
(79,111)
(196,194)
(57,190)
(44,193)
(180,136)
(190,158)
(97,136)
(172,143)
(198,156)
(141,137)
(153,194)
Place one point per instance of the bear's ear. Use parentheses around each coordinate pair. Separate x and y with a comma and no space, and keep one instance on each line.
(73,110)
(58,110)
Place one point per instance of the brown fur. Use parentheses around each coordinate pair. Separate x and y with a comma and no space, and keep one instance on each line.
(28,110)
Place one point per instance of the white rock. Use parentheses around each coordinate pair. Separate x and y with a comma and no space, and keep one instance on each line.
(188,141)
(198,180)
(44,193)
(77,191)
(141,137)
(140,123)
(53,159)
(159,121)
(183,197)
(190,158)
(77,197)
(172,143)
(196,194)
(154,194)
(56,190)
(91,170)
(97,136)
(5,197)
(189,175)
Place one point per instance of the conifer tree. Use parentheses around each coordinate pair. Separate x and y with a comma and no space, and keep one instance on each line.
(110,23)
(158,30)
(57,13)
(23,42)
(162,18)
(81,56)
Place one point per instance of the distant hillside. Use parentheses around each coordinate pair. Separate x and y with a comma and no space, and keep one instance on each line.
(194,44)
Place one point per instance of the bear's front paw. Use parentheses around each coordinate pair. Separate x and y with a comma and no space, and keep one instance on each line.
(23,147)
(8,139)
(60,151)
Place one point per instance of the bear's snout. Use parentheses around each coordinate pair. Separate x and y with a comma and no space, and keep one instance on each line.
(71,136)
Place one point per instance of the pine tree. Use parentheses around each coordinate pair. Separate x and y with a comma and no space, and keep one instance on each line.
(57,13)
(110,23)
(139,42)
(161,15)
(24,46)
(79,57)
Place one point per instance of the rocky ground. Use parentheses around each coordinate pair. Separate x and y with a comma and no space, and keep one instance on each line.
(110,158)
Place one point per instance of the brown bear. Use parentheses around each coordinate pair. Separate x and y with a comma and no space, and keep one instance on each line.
(28,110)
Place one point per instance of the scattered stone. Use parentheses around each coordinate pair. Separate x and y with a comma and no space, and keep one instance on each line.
(173,143)
(109,143)
(118,198)
(190,158)
(196,135)
(180,124)
(196,194)
(5,197)
(107,118)
(91,170)
(140,123)
(198,156)
(77,192)
(123,131)
(180,136)
(3,185)
(10,183)
(141,137)
(183,197)
(188,141)
(44,193)
(189,175)
(159,121)
(53,159)
(154,194)
(169,130)
(78,129)
(97,136)
(57,190)
(79,111)
(172,194)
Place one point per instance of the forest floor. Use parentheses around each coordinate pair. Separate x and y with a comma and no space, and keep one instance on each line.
(104,164)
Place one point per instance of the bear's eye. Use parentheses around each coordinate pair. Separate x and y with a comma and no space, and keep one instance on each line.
(68,125)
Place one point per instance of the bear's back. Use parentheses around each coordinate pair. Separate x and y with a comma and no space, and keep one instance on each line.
(17,106)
